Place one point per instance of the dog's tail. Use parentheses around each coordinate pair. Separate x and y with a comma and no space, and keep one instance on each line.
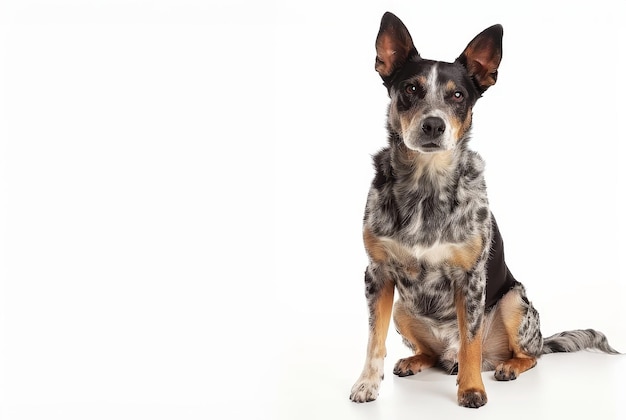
(569,341)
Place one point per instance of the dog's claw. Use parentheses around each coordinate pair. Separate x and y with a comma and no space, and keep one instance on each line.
(403,373)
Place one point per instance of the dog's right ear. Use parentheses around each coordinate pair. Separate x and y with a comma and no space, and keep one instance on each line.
(394,46)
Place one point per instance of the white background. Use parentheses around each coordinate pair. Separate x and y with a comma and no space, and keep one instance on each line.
(182,186)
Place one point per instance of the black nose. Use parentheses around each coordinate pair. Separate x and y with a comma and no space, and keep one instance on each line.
(433,127)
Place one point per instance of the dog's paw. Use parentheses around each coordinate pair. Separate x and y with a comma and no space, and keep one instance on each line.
(510,369)
(365,390)
(412,365)
(472,398)
(505,372)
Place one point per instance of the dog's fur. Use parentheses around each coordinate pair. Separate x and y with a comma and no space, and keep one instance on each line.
(430,235)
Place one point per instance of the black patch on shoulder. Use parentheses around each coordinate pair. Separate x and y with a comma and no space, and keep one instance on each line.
(499,278)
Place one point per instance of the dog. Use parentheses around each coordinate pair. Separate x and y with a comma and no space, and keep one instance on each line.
(430,235)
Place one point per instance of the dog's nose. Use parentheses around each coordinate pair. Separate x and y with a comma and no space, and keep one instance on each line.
(433,127)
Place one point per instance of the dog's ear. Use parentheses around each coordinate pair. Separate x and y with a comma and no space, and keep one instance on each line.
(482,56)
(394,45)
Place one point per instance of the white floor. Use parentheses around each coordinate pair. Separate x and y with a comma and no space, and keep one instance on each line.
(317,383)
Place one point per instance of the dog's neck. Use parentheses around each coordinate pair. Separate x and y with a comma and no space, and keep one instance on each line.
(437,169)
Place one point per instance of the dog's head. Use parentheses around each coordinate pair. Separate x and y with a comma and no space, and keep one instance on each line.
(431,101)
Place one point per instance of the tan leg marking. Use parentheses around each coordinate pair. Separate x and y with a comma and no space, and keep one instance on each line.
(512,316)
(471,392)
(383,308)
(366,387)
(421,340)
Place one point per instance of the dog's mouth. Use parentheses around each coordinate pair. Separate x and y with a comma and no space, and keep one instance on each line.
(429,147)
(424,144)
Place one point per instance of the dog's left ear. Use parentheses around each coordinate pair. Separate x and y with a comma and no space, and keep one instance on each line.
(482,57)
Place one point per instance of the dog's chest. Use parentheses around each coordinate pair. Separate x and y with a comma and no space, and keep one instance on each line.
(425,219)
(427,209)
(430,223)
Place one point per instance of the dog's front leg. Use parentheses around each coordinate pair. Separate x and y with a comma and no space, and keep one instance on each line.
(469,302)
(379,293)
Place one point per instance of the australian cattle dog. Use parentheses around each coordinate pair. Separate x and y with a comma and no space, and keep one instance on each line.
(430,235)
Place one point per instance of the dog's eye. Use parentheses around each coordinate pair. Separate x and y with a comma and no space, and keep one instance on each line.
(410,89)
(458,96)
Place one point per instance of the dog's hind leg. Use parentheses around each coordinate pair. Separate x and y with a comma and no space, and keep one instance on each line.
(521,323)
(379,293)
(418,338)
